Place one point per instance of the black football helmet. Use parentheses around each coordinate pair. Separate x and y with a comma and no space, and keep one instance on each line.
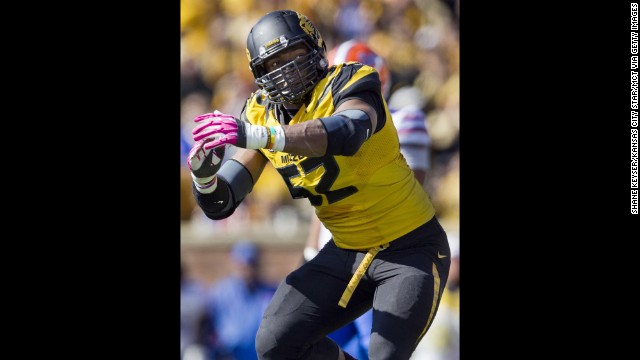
(276,32)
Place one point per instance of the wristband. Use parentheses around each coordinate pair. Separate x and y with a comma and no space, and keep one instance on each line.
(202,181)
(277,135)
(206,188)
(272,138)
(257,136)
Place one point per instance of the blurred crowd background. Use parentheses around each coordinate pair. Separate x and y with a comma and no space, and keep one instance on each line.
(419,39)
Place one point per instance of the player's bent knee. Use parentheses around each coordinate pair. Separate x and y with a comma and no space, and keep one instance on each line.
(266,344)
(268,347)
(383,349)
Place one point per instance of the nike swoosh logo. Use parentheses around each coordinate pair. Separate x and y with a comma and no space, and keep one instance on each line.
(440,256)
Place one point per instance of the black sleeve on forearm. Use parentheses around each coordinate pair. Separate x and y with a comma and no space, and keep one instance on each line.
(217,205)
(234,183)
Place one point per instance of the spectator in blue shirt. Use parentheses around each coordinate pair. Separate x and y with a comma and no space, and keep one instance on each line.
(236,304)
(193,316)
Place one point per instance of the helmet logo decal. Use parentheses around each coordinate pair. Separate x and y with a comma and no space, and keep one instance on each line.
(248,55)
(308,27)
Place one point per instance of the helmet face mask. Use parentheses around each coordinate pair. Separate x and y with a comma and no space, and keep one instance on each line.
(282,31)
(291,81)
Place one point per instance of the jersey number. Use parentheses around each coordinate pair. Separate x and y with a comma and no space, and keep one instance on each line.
(331,172)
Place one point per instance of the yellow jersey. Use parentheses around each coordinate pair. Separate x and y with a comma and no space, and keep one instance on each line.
(365,200)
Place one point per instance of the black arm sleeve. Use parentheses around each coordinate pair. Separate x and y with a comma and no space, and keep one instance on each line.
(218,204)
(234,183)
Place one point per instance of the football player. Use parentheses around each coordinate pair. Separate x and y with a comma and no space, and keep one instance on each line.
(415,145)
(328,132)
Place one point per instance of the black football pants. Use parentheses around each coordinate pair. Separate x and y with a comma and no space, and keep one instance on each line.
(404,284)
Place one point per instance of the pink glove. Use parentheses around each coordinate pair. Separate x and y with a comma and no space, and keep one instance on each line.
(218,129)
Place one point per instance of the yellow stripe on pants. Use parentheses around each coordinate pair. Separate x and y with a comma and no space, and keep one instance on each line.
(355,279)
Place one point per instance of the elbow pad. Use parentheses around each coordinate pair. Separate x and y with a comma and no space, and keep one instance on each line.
(346,131)
(234,183)
(215,205)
